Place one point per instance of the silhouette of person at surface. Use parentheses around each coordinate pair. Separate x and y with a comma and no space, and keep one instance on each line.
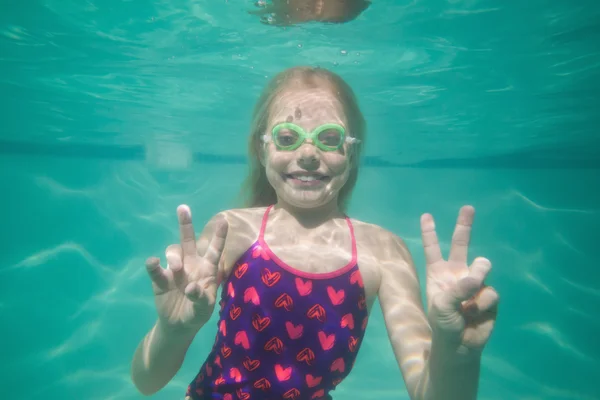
(291,12)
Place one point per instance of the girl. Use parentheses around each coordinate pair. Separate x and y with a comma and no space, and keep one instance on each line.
(299,277)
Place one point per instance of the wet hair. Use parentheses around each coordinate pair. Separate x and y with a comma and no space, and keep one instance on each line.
(257,191)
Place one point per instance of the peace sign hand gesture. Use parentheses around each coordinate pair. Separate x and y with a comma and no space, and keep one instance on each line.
(185,292)
(462,309)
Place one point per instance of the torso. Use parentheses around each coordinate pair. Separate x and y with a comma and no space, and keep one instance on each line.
(293,310)
(330,247)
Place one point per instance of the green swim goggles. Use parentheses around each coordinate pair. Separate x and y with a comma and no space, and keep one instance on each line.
(328,137)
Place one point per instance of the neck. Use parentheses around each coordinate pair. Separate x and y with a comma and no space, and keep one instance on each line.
(311,217)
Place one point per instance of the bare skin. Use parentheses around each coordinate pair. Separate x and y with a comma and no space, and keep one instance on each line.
(384,261)
(319,249)
(438,351)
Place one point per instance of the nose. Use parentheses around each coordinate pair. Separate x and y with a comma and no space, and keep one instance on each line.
(308,156)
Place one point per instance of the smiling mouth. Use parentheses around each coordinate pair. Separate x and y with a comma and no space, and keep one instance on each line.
(308,178)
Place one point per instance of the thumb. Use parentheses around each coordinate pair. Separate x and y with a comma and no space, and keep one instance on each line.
(467,287)
(464,289)
(193,292)
(201,293)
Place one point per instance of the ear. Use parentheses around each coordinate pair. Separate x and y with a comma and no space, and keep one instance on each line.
(352,161)
(262,153)
(351,157)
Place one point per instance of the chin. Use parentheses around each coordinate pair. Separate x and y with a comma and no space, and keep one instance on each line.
(310,197)
(307,200)
(304,204)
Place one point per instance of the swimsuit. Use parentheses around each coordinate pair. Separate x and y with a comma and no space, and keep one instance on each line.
(283,333)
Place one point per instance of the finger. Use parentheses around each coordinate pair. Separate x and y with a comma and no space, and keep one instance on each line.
(487,300)
(463,291)
(480,269)
(174,255)
(431,244)
(199,292)
(484,302)
(209,288)
(478,273)
(479,331)
(186,232)
(462,235)
(157,273)
(193,292)
(215,248)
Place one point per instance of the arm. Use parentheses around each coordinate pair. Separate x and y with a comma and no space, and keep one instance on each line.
(158,357)
(431,369)
(160,354)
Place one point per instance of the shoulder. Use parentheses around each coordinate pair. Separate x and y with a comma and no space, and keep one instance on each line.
(387,244)
(241,223)
(238,220)
(384,256)
(247,216)
(376,231)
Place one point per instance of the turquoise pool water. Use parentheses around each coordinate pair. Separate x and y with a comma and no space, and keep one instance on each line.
(115,112)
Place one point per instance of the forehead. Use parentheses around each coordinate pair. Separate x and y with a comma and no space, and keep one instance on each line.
(315,106)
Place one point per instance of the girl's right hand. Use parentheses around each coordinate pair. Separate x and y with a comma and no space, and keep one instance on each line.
(185,292)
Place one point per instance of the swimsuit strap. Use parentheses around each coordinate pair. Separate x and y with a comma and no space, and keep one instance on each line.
(263,226)
(353,238)
(261,234)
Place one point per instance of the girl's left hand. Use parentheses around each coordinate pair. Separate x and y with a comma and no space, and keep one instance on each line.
(461,308)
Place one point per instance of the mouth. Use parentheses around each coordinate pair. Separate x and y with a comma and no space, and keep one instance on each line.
(304,178)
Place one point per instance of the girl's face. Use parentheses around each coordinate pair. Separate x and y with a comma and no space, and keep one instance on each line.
(307,177)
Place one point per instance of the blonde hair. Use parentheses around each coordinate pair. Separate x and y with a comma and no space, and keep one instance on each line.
(257,191)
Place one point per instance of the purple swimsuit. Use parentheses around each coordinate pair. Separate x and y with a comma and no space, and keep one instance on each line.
(283,333)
